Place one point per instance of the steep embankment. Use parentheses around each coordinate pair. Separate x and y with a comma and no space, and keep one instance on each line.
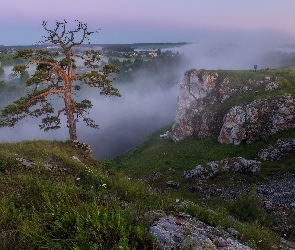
(230,149)
(54,195)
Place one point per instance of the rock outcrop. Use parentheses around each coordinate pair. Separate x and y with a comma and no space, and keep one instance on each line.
(248,122)
(239,164)
(258,119)
(194,88)
(275,152)
(185,232)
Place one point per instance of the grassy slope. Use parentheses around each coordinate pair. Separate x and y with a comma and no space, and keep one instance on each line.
(79,205)
(159,160)
(67,205)
(70,205)
(157,154)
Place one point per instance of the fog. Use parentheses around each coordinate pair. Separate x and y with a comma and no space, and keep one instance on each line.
(145,105)
(148,104)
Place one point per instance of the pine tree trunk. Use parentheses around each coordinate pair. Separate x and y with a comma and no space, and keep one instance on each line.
(70,115)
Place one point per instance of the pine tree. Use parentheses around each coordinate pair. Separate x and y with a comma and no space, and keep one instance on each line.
(55,76)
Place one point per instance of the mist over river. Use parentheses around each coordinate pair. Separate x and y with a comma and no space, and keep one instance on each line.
(147,104)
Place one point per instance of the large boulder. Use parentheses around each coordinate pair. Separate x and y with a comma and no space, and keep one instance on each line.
(237,164)
(185,232)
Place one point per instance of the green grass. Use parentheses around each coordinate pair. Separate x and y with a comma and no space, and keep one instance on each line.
(81,205)
(238,78)
(157,155)
(75,205)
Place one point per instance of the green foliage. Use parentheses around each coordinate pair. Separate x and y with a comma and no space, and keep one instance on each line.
(18,108)
(24,53)
(64,63)
(19,69)
(8,59)
(101,80)
(108,164)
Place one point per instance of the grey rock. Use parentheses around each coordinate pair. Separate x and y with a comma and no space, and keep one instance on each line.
(197,172)
(239,164)
(246,166)
(276,152)
(186,232)
(172,184)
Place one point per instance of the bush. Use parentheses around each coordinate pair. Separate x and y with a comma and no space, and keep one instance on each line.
(247,207)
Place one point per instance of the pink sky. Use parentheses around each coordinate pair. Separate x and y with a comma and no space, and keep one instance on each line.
(130,21)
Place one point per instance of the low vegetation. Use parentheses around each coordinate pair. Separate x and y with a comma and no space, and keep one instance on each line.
(61,198)
(55,196)
(158,160)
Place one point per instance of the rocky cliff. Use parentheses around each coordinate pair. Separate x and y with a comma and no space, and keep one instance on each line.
(194,88)
(203,109)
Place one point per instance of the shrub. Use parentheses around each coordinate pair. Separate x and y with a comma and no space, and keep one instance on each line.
(247,206)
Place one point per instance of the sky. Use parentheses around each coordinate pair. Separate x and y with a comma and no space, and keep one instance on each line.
(132,21)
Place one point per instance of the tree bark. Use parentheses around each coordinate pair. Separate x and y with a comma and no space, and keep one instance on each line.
(69,103)
(69,107)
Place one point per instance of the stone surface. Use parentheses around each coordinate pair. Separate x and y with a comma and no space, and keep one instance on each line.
(185,232)
(279,192)
(194,87)
(172,184)
(237,164)
(233,130)
(276,152)
(258,120)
